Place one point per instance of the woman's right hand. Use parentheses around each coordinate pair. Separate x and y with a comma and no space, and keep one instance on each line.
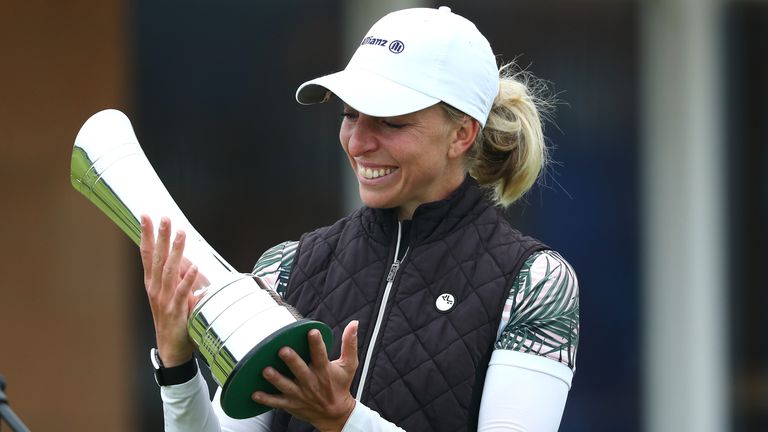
(169,280)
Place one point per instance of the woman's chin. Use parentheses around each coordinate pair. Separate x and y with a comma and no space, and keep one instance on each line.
(374,199)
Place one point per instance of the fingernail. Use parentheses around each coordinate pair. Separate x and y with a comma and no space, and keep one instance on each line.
(256,397)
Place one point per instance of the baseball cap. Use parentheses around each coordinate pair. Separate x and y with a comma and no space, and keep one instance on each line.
(412,59)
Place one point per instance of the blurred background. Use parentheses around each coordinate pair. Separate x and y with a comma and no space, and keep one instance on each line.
(658,195)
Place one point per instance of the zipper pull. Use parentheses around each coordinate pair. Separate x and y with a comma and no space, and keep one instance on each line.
(393,271)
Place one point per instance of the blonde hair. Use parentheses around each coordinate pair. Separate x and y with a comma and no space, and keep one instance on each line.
(510,152)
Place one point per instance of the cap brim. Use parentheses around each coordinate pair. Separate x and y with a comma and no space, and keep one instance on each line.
(366,92)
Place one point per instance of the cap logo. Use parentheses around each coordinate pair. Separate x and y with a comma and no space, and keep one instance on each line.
(370,40)
(396,46)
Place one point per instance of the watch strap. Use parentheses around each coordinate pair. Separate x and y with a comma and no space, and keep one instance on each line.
(173,375)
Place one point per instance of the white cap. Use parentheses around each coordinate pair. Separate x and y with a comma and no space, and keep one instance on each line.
(410,60)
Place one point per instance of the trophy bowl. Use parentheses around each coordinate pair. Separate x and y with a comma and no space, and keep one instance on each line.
(240,323)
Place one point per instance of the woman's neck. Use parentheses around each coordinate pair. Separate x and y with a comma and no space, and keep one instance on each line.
(406,211)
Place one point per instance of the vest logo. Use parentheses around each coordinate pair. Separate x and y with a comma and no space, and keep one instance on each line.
(396,46)
(445,302)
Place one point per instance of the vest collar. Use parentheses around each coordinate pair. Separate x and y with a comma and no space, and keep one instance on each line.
(430,220)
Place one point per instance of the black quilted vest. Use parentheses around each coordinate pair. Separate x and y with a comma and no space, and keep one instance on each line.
(428,367)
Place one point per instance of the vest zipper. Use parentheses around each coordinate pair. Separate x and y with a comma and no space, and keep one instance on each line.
(390,280)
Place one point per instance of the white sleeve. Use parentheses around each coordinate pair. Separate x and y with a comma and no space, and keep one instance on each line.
(523,393)
(187,408)
(364,419)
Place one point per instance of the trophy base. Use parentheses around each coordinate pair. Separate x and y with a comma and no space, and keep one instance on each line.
(246,377)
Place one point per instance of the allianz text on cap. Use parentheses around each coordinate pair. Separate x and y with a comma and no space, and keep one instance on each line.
(410,60)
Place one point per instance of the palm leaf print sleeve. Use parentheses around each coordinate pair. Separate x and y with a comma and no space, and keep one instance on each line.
(541,315)
(275,265)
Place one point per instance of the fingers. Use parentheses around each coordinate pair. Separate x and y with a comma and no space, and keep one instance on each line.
(167,289)
(184,289)
(317,351)
(296,364)
(271,400)
(147,247)
(167,274)
(282,383)
(318,358)
(185,264)
(318,393)
(348,356)
(160,254)
(171,272)
(200,288)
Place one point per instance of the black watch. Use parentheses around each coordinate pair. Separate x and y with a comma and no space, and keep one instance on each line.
(174,375)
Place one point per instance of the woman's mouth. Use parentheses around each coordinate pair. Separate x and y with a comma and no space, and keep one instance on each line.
(372,173)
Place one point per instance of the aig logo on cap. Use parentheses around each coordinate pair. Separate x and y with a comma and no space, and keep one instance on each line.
(396,46)
(445,302)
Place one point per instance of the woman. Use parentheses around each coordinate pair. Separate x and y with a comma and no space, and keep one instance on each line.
(444,317)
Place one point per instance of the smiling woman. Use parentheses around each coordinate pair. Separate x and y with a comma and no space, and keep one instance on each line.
(406,160)
(445,317)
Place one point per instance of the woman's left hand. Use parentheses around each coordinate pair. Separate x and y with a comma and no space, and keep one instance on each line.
(319,392)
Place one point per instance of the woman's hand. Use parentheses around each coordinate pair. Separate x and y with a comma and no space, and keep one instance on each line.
(319,393)
(169,280)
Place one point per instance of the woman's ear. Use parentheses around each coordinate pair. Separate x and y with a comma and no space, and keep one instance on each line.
(463,136)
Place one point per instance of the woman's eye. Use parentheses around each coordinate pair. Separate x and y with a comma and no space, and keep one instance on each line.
(393,124)
(349,115)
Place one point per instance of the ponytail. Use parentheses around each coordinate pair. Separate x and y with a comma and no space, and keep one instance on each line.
(509,153)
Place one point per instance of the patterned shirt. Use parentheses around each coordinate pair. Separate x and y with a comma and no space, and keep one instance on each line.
(541,315)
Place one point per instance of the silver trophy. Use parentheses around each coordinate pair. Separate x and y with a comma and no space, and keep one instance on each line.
(239,324)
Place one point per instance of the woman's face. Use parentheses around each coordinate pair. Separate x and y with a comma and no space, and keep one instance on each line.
(404,161)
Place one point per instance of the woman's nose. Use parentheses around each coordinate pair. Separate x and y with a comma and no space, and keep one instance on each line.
(363,138)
